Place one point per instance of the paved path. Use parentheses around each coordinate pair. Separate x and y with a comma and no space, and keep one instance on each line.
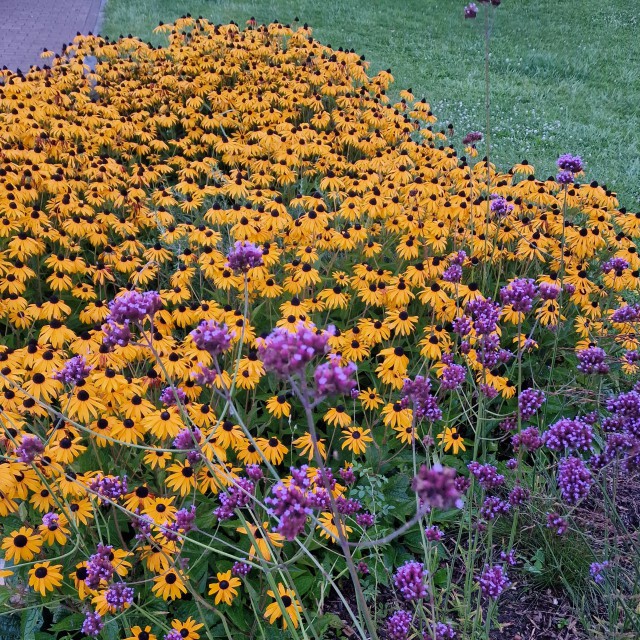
(29,26)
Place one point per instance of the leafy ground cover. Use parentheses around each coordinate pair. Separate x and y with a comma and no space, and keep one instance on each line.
(564,77)
(280,361)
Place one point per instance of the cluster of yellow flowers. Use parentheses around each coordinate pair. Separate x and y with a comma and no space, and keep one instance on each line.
(143,172)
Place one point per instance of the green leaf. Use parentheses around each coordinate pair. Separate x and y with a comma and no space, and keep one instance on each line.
(30,622)
(69,623)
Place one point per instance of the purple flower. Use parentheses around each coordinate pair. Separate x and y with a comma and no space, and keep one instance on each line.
(119,596)
(244,256)
(187,439)
(347,475)
(74,371)
(473,136)
(499,206)
(333,379)
(285,353)
(486,474)
(174,634)
(441,631)
(453,273)
(574,479)
(410,581)
(570,435)
(436,487)
(254,472)
(211,336)
(399,625)
(241,569)
(453,376)
(365,520)
(519,293)
(592,360)
(51,520)
(626,313)
(548,291)
(509,557)
(557,523)
(492,507)
(485,315)
(417,395)
(462,325)
(493,581)
(529,402)
(290,504)
(186,519)
(433,534)
(29,448)
(116,334)
(99,566)
(471,11)
(92,624)
(567,162)
(109,487)
(528,439)
(170,396)
(597,569)
(565,177)
(518,496)
(133,306)
(615,264)
(237,496)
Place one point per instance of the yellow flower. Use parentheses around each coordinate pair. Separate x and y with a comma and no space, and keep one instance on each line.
(44,577)
(290,604)
(224,588)
(451,439)
(356,439)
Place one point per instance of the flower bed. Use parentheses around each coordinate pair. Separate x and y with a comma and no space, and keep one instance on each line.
(268,335)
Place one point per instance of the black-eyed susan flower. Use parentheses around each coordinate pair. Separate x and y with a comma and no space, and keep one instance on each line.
(356,439)
(170,585)
(188,629)
(21,545)
(224,587)
(291,605)
(45,577)
(140,633)
(262,540)
(451,439)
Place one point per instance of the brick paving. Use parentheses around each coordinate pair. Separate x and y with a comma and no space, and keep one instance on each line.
(29,26)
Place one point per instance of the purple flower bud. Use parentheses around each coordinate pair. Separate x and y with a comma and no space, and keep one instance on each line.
(241,569)
(520,294)
(574,479)
(244,256)
(436,487)
(410,580)
(211,336)
(119,596)
(29,448)
(399,625)
(333,379)
(567,162)
(569,435)
(92,624)
(529,402)
(170,396)
(592,361)
(433,534)
(285,353)
(493,581)
(471,11)
(557,523)
(74,371)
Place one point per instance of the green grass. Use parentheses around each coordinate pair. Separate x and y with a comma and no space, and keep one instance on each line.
(565,73)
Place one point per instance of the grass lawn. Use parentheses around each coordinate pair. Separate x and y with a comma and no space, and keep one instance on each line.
(565,74)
